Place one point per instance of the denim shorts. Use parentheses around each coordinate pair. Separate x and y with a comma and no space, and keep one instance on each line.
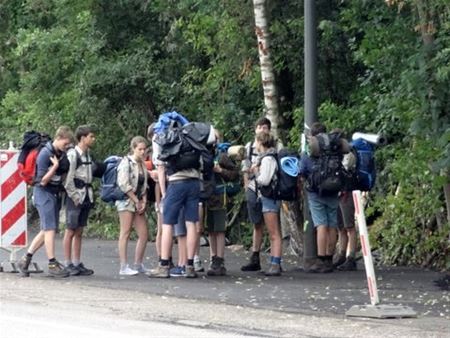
(323,210)
(126,205)
(179,229)
(254,207)
(181,194)
(270,205)
(48,205)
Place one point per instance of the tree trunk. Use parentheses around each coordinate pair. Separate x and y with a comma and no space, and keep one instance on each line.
(267,74)
(290,214)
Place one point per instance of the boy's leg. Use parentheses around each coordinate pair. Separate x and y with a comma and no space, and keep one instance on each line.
(36,244)
(67,245)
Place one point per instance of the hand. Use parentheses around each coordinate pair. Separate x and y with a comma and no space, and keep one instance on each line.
(55,161)
(217,169)
(154,175)
(254,168)
(140,207)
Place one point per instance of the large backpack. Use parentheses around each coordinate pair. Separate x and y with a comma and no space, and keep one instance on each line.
(362,174)
(284,184)
(110,191)
(327,175)
(182,146)
(33,142)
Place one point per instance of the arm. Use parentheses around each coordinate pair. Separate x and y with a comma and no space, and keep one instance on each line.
(266,171)
(162,179)
(51,171)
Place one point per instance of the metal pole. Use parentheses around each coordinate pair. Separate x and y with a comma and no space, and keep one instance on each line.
(309,237)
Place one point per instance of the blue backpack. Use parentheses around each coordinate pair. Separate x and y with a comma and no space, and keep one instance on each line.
(110,191)
(363,176)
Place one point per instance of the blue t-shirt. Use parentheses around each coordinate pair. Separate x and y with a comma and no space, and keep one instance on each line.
(43,163)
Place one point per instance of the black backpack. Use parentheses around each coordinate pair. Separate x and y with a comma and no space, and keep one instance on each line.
(328,176)
(283,186)
(182,146)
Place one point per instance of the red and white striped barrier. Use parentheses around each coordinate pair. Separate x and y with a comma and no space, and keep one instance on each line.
(13,202)
(365,247)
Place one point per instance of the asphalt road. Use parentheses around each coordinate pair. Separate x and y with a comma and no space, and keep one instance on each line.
(297,304)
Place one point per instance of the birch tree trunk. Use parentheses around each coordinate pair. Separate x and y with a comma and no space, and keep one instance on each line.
(290,214)
(265,61)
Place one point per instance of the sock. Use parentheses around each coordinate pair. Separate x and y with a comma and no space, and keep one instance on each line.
(76,262)
(67,262)
(255,253)
(322,258)
(196,258)
(29,254)
(329,258)
(52,260)
(275,260)
(164,262)
(190,262)
(123,266)
(170,260)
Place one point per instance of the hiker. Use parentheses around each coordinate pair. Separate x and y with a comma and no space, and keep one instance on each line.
(132,179)
(80,199)
(225,171)
(254,206)
(183,191)
(345,260)
(265,171)
(323,191)
(152,168)
(51,166)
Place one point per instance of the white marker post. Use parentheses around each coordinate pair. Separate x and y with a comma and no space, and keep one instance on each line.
(374,310)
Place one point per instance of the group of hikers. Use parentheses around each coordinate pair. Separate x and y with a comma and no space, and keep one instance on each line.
(188,175)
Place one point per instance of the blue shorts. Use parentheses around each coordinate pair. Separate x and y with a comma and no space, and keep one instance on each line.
(323,210)
(270,205)
(179,229)
(48,205)
(179,194)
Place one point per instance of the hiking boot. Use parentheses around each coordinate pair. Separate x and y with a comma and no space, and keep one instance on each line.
(127,271)
(321,267)
(253,265)
(217,267)
(24,264)
(84,271)
(274,270)
(177,271)
(57,270)
(73,270)
(190,272)
(161,271)
(198,265)
(349,265)
(338,261)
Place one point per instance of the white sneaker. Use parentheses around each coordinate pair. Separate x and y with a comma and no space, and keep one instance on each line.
(127,271)
(140,268)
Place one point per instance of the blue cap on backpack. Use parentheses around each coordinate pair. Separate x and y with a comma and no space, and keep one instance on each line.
(289,165)
(165,119)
